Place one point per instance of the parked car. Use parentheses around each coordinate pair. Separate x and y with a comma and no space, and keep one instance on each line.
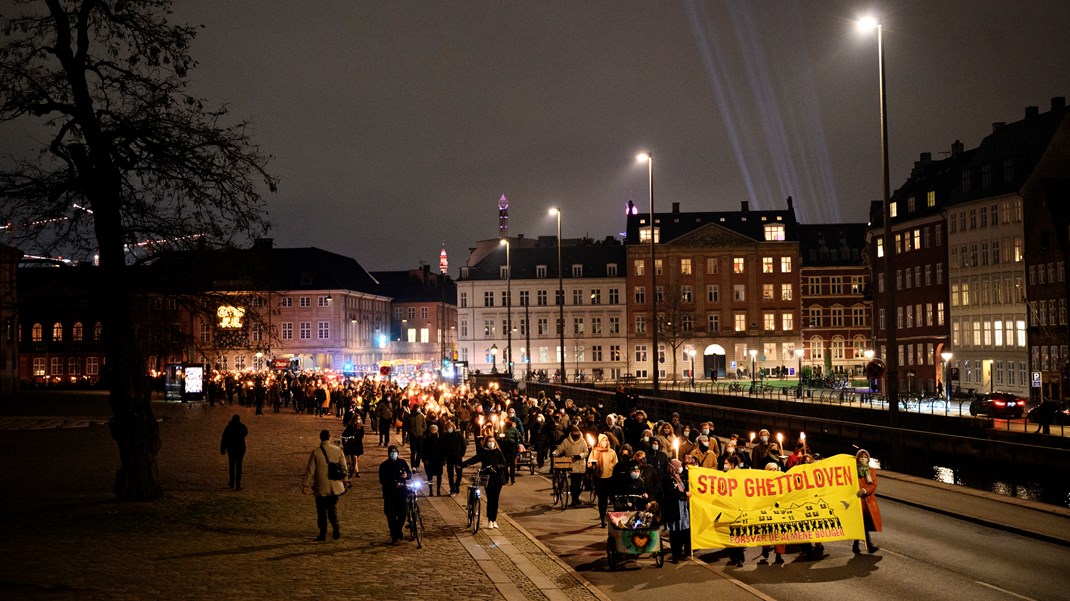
(998,404)
(1060,413)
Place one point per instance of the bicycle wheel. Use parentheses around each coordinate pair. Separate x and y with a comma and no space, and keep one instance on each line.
(418,526)
(564,492)
(555,489)
(412,520)
(472,508)
(478,517)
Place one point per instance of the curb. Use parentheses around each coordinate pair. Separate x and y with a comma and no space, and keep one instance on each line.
(560,562)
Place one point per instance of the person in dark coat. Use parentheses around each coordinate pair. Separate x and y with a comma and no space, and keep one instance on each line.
(233,446)
(631,492)
(394,475)
(433,457)
(353,444)
(493,461)
(454,446)
(675,509)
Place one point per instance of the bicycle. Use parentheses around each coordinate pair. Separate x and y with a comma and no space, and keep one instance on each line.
(414,519)
(476,485)
(560,468)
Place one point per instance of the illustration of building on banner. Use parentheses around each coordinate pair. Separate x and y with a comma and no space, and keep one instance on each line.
(802,522)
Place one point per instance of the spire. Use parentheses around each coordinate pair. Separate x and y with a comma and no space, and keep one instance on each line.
(503,217)
(443,262)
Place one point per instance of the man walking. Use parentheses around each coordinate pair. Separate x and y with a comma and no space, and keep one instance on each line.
(233,446)
(318,482)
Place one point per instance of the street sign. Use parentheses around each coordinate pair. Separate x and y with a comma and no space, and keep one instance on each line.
(1036,379)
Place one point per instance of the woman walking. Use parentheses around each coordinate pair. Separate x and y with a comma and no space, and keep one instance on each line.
(867,489)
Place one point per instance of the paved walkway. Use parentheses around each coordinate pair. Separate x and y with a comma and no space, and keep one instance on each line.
(66,538)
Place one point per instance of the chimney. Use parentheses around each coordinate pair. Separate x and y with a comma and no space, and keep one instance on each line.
(998,125)
(1058,103)
(745,206)
(675,208)
(956,148)
(789,204)
(1031,111)
(926,157)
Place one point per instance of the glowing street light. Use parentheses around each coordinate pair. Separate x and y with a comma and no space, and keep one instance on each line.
(560,294)
(753,366)
(946,356)
(891,349)
(798,372)
(649,159)
(494,358)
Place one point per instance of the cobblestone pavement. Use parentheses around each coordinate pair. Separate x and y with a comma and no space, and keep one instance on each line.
(66,538)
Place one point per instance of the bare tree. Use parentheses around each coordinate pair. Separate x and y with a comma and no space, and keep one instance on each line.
(128,158)
(674,321)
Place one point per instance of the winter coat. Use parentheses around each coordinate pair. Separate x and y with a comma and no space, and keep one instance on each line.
(233,440)
(869,502)
(453,446)
(316,470)
(574,448)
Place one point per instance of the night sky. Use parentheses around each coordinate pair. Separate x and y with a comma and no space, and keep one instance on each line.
(396,125)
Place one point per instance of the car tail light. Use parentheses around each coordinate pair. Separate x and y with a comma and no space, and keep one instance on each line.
(1000,403)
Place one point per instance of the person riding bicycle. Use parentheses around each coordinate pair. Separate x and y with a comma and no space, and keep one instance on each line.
(494,467)
(575,446)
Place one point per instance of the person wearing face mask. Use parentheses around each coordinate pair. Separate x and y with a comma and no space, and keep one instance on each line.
(454,446)
(760,449)
(867,491)
(603,460)
(665,436)
(657,457)
(703,454)
(631,492)
(394,475)
(706,429)
(651,478)
(613,431)
(771,458)
(687,443)
(492,462)
(675,510)
(574,446)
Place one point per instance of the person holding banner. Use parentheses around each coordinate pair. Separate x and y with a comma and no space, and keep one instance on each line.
(675,510)
(867,491)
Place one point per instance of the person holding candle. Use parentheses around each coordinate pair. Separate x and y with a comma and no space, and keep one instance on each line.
(603,460)
(576,447)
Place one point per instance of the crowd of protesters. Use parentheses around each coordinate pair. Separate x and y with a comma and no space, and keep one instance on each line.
(620,452)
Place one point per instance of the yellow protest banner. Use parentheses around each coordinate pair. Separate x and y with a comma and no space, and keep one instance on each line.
(811,503)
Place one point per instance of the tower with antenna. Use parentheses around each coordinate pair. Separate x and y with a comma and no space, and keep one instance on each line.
(503,217)
(443,262)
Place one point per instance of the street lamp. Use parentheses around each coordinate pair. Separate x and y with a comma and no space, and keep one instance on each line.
(649,158)
(753,366)
(560,294)
(891,348)
(494,358)
(508,307)
(798,372)
(946,356)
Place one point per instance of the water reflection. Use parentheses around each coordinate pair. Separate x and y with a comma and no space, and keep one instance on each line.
(1025,490)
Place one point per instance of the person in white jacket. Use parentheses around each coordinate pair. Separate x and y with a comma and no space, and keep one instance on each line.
(575,446)
(326,491)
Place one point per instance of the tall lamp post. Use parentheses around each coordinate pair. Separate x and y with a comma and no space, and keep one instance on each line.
(798,371)
(691,353)
(891,348)
(494,358)
(753,368)
(508,308)
(946,356)
(560,294)
(649,158)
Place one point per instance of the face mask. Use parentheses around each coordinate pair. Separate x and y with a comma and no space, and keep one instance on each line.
(393,455)
(680,470)
(706,431)
(635,475)
(646,439)
(491,446)
(730,450)
(450,430)
(624,455)
(654,447)
(687,433)
(764,439)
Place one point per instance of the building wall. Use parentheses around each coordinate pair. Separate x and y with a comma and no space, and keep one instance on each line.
(836,326)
